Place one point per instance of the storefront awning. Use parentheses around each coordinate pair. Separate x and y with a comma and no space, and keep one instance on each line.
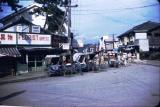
(13,52)
(43,51)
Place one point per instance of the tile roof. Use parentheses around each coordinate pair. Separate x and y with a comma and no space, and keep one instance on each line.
(144,27)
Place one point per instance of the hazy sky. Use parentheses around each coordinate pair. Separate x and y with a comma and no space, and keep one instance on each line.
(95,18)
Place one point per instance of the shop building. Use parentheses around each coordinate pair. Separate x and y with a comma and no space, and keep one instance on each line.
(142,38)
(26,42)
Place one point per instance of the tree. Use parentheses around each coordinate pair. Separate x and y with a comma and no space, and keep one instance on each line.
(12,3)
(55,17)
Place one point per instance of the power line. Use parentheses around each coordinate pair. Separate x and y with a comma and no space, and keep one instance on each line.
(119,9)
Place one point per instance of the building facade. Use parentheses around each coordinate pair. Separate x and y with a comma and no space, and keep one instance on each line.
(23,38)
(144,37)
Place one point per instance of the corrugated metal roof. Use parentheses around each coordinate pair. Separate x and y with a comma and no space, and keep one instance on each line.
(10,52)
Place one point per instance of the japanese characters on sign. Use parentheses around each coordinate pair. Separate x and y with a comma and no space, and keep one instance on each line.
(25,39)
(7,38)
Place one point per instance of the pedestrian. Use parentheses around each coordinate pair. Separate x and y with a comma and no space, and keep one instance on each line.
(64,65)
(13,72)
(125,59)
(79,68)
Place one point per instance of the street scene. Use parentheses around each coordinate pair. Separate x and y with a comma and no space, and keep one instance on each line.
(79,53)
(136,85)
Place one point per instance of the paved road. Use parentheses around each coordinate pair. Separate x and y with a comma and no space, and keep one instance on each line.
(132,86)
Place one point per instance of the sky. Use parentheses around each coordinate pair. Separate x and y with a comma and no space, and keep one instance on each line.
(7,10)
(93,19)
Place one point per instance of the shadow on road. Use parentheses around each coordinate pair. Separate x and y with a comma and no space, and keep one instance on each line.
(11,95)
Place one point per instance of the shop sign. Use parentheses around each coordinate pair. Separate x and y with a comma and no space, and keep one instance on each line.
(7,38)
(35,29)
(141,36)
(64,46)
(19,29)
(24,39)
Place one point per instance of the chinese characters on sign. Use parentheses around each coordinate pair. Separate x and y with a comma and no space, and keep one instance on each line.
(25,39)
(7,38)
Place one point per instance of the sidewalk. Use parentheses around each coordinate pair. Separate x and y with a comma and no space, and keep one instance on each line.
(148,62)
(152,62)
(23,77)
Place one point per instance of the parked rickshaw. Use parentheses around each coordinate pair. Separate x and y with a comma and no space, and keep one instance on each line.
(93,62)
(68,66)
(54,68)
(113,59)
(80,62)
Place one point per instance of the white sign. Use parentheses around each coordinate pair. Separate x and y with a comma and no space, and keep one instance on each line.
(101,45)
(141,36)
(143,45)
(7,38)
(64,46)
(25,39)
(19,28)
(35,29)
(80,43)
(105,38)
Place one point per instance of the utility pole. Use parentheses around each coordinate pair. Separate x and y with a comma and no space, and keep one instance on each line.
(69,27)
(68,4)
(113,40)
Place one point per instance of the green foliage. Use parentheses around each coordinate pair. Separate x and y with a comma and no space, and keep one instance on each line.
(155,56)
(144,55)
(54,14)
(150,55)
(57,2)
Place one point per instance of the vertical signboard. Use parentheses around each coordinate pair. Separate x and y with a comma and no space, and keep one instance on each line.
(19,28)
(143,45)
(35,29)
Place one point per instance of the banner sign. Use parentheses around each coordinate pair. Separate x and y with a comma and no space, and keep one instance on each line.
(141,36)
(24,39)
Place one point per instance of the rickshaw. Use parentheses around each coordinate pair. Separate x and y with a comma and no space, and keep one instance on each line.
(92,62)
(113,59)
(68,66)
(54,68)
(80,62)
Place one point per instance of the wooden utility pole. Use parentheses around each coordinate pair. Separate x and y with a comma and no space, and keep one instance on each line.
(113,40)
(68,5)
(69,29)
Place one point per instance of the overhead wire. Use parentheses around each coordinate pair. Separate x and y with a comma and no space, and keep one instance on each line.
(74,18)
(90,11)
(83,11)
(101,12)
(139,7)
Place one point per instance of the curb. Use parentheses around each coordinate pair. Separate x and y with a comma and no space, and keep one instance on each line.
(21,80)
(148,63)
(151,64)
